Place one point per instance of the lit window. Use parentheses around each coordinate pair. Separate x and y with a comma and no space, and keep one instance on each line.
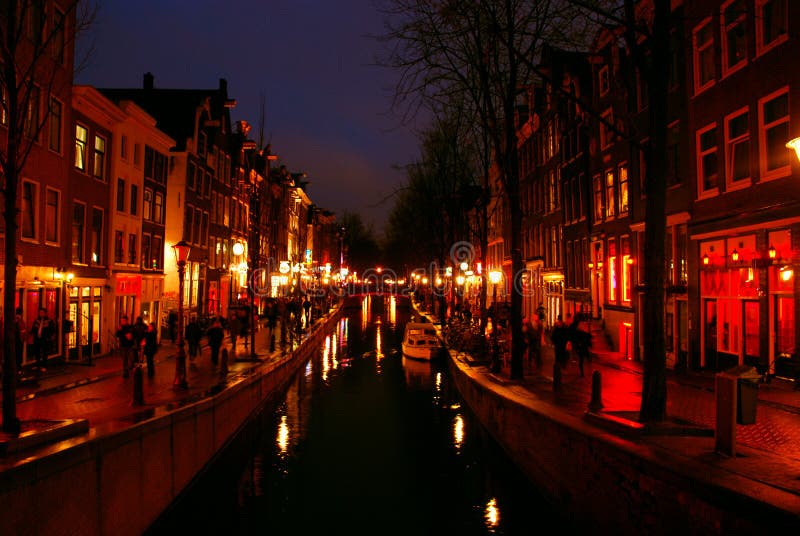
(774,132)
(610,194)
(737,147)
(704,71)
(99,169)
(734,35)
(598,198)
(623,189)
(81,139)
(612,279)
(707,158)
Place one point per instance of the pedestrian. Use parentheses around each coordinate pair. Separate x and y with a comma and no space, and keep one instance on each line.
(172,323)
(307,311)
(150,347)
(560,337)
(215,335)
(272,323)
(20,335)
(193,336)
(43,331)
(234,328)
(581,342)
(126,345)
(139,329)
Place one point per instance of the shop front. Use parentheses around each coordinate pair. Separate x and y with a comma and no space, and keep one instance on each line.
(84,313)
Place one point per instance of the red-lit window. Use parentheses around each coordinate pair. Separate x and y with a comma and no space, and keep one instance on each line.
(784,320)
(771,24)
(597,186)
(611,197)
(612,272)
(627,261)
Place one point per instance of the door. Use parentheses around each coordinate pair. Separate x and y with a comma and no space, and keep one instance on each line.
(752,352)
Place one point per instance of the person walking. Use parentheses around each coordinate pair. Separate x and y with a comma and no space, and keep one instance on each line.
(581,342)
(307,311)
(20,336)
(150,347)
(215,335)
(43,331)
(193,336)
(234,328)
(126,344)
(560,337)
(139,329)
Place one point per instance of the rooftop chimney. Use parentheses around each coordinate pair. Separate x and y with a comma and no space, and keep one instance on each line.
(148,80)
(223,85)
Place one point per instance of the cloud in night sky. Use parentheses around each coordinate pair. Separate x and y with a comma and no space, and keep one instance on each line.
(327,108)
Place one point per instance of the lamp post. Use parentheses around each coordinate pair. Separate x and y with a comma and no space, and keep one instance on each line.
(494,278)
(181,250)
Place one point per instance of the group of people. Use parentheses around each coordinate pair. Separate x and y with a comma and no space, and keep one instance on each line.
(41,338)
(570,335)
(135,340)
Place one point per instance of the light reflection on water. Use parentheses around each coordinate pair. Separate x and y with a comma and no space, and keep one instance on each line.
(381,444)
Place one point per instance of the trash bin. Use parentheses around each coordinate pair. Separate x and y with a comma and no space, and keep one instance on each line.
(747,379)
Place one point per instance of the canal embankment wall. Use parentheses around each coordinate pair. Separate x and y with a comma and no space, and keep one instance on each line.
(118,482)
(609,482)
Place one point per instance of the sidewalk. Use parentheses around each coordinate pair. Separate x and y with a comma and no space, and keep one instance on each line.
(99,393)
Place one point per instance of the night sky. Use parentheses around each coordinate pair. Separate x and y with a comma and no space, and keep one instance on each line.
(327,105)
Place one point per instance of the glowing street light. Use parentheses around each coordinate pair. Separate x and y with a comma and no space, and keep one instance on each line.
(181,250)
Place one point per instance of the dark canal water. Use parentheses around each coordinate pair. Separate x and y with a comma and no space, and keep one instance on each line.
(364,441)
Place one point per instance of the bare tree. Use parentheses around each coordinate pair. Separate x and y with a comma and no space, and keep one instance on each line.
(472,49)
(35,36)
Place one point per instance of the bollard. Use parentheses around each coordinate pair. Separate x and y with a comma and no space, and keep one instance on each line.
(556,377)
(138,385)
(223,369)
(596,404)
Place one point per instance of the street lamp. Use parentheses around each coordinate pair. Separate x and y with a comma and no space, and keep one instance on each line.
(181,250)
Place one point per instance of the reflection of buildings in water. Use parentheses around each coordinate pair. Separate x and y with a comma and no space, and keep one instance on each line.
(492,515)
(418,373)
(392,310)
(458,432)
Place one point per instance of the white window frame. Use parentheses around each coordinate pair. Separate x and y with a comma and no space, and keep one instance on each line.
(103,172)
(696,52)
(701,192)
(741,19)
(730,184)
(783,171)
(761,48)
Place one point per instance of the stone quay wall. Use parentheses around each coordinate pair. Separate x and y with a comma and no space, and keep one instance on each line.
(612,484)
(119,482)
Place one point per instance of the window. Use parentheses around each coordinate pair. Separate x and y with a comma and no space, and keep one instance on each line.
(81,139)
(734,36)
(209,177)
(612,271)
(204,230)
(146,254)
(78,223)
(771,23)
(123,147)
(149,162)
(137,155)
(611,200)
(552,196)
(598,198)
(737,148)
(190,176)
(704,72)
(132,256)
(774,132)
(119,244)
(197,226)
(99,158)
(201,143)
(199,181)
(603,80)
(147,204)
(623,189)
(158,207)
(55,125)
(625,249)
(96,237)
(31,128)
(134,199)
(157,253)
(51,217)
(120,195)
(187,223)
(59,31)
(606,135)
(707,158)
(30,193)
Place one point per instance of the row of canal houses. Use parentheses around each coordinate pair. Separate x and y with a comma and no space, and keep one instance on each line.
(733,192)
(116,177)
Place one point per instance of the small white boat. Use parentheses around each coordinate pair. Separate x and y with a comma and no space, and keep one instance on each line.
(420,341)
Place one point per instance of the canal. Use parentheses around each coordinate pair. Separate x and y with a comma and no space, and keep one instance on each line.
(363,441)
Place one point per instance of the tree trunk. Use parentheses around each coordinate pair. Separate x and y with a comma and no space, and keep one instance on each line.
(10,420)
(654,381)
